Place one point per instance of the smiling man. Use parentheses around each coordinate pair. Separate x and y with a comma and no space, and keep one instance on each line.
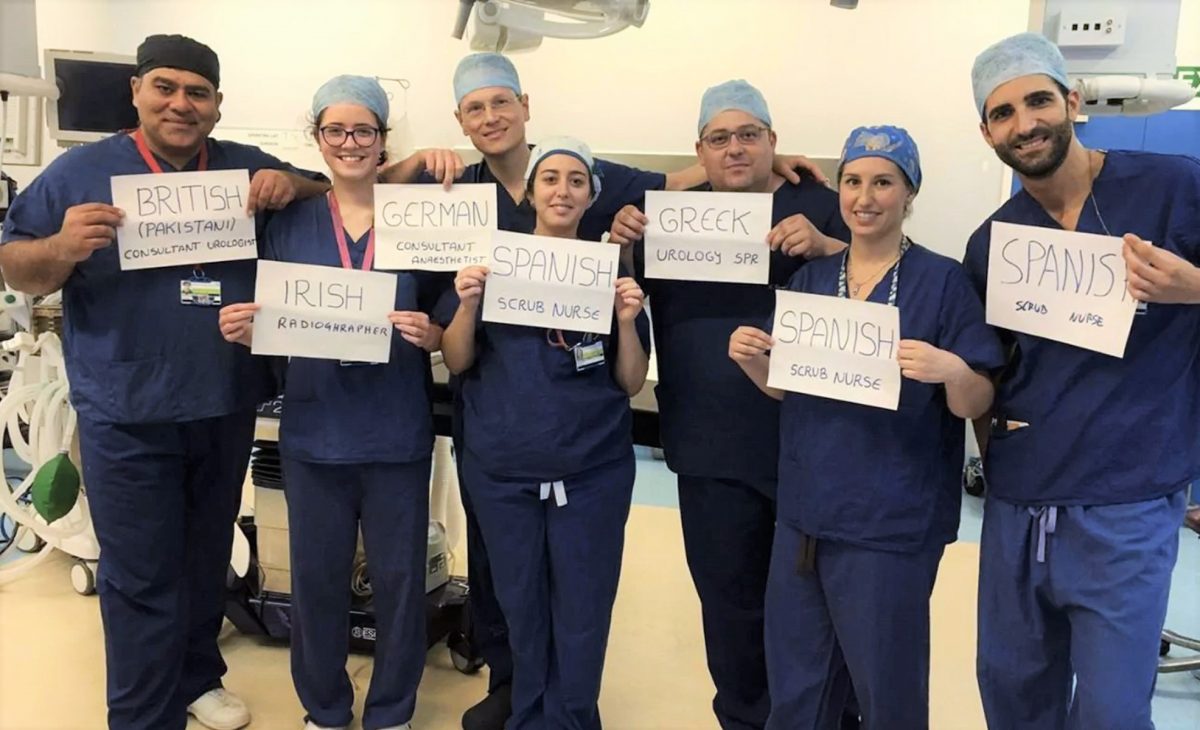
(1089,455)
(166,407)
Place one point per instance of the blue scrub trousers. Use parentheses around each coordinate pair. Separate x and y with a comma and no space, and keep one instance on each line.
(489,630)
(728,527)
(860,609)
(326,505)
(163,498)
(1073,593)
(556,570)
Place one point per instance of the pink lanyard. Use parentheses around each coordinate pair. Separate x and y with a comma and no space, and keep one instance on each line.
(339,231)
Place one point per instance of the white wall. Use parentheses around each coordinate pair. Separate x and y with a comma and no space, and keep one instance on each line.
(823,71)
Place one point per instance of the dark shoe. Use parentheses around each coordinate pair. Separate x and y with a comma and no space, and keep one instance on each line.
(492,712)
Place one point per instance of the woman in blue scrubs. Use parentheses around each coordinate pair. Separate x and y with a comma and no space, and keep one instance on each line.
(356,439)
(549,461)
(869,497)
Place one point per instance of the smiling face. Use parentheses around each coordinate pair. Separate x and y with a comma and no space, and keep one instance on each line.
(354,159)
(560,193)
(737,152)
(874,197)
(494,119)
(1029,124)
(177,110)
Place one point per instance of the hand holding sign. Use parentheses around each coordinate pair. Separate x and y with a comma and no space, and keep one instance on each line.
(237,323)
(628,300)
(925,363)
(1157,275)
(86,228)
(749,343)
(628,227)
(469,286)
(797,236)
(417,330)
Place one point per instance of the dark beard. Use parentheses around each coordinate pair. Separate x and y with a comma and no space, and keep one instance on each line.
(1059,138)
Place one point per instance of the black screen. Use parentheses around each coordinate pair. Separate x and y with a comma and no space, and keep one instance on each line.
(94,96)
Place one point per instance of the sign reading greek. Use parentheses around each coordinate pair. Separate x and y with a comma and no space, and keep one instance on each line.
(1064,286)
(703,236)
(183,218)
(551,282)
(843,349)
(428,227)
(324,312)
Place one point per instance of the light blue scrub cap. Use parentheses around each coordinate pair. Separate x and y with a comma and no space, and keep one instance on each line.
(565,146)
(890,143)
(362,90)
(736,94)
(1020,55)
(482,70)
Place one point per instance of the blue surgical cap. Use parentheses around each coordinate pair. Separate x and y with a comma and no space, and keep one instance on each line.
(565,146)
(1020,55)
(890,143)
(362,90)
(482,70)
(736,94)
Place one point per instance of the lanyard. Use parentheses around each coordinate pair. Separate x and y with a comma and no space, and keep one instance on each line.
(339,232)
(152,163)
(843,291)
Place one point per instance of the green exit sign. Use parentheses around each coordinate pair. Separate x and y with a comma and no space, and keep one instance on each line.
(1191,74)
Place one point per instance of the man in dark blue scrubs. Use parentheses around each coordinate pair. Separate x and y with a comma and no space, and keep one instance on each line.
(1089,455)
(719,432)
(166,407)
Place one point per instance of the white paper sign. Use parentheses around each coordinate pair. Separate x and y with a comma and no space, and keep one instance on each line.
(1060,285)
(184,218)
(843,349)
(428,227)
(551,282)
(704,236)
(324,312)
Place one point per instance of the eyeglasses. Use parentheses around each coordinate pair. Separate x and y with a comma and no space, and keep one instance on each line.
(337,136)
(748,135)
(475,110)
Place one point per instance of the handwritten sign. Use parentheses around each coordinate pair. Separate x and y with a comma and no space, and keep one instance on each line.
(428,227)
(551,282)
(700,236)
(184,218)
(324,312)
(1064,286)
(837,348)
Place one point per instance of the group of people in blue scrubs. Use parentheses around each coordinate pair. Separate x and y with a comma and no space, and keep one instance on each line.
(813,527)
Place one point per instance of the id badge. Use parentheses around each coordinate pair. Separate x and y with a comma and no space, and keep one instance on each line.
(588,356)
(200,292)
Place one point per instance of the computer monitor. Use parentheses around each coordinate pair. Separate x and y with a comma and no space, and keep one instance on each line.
(95,100)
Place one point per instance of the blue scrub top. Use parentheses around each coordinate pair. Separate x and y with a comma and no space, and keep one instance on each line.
(528,413)
(620,186)
(1105,430)
(882,479)
(353,414)
(134,354)
(713,421)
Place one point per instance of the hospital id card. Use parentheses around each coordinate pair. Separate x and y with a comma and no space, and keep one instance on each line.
(588,356)
(197,292)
